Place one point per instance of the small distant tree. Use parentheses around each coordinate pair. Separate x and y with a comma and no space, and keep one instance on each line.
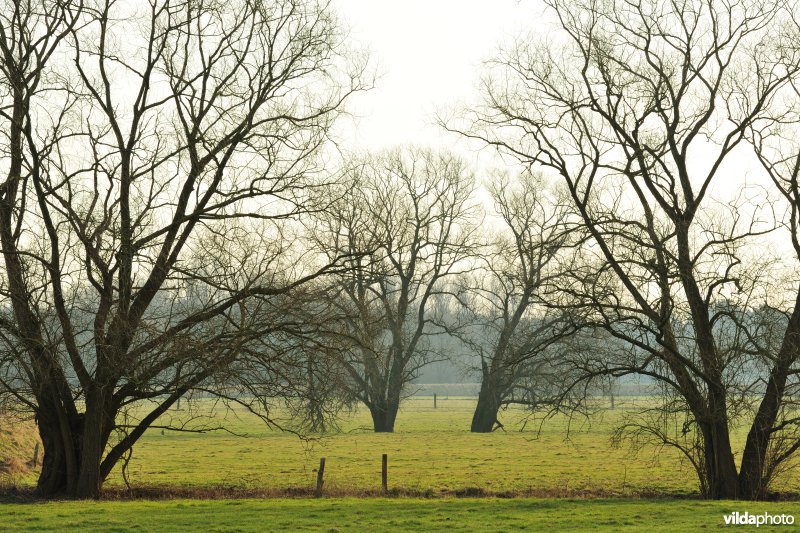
(408,218)
(513,320)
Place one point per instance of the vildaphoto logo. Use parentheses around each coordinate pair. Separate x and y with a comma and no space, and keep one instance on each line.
(765,519)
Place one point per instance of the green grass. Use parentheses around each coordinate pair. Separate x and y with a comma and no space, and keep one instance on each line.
(432,452)
(353,514)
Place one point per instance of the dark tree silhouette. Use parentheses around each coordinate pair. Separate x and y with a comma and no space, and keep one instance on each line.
(154,157)
(639,109)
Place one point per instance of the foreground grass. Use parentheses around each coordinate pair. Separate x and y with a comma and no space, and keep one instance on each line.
(352,514)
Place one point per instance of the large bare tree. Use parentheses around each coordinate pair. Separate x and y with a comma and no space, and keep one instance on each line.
(642,109)
(154,156)
(408,218)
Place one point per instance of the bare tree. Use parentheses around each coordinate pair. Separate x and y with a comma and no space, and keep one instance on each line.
(155,155)
(407,216)
(510,323)
(640,108)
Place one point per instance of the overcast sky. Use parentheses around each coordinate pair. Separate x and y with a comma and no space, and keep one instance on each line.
(429,55)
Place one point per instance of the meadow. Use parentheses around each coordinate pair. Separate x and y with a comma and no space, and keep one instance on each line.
(432,452)
(563,473)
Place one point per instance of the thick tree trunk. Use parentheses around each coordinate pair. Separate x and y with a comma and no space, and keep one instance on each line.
(89,481)
(73,448)
(384,414)
(61,440)
(95,438)
(752,481)
(381,422)
(752,484)
(753,478)
(485,416)
(720,464)
(60,457)
(67,470)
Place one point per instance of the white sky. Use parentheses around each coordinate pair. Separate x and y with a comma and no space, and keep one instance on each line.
(428,55)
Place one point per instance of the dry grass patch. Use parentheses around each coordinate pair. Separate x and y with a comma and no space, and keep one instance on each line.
(18,440)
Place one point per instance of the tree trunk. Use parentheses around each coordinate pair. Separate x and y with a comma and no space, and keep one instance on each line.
(89,481)
(485,416)
(752,483)
(61,440)
(753,478)
(384,414)
(73,448)
(720,465)
(95,438)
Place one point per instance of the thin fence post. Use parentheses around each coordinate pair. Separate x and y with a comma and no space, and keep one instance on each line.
(434,400)
(385,473)
(36,456)
(320,477)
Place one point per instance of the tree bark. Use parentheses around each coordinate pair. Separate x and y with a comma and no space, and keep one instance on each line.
(384,414)
(722,480)
(73,448)
(485,416)
(753,479)
(752,476)
(95,438)
(60,434)
(720,468)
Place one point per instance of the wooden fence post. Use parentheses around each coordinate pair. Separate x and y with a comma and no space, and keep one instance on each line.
(36,456)
(434,400)
(385,473)
(320,474)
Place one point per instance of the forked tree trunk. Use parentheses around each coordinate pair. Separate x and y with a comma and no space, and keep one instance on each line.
(752,481)
(73,448)
(723,481)
(752,475)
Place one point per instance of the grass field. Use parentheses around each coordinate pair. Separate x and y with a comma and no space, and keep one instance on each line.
(568,480)
(432,452)
(359,514)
